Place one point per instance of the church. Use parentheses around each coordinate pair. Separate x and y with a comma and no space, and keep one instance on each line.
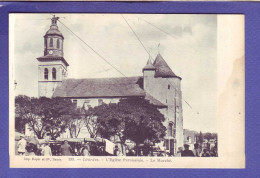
(158,84)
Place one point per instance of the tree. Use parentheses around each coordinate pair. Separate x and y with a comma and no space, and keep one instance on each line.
(46,116)
(200,138)
(132,118)
(91,121)
(85,118)
(21,102)
(75,125)
(208,136)
(215,136)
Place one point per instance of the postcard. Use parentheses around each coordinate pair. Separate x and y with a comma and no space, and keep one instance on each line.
(126,90)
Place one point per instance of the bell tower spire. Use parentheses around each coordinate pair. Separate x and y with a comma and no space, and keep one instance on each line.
(53,39)
(52,68)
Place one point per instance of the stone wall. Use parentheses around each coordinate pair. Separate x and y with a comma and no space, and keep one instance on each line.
(168,92)
(46,88)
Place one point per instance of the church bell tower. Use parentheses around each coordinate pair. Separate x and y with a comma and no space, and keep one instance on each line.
(52,68)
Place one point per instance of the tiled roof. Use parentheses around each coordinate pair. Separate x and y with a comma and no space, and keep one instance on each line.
(51,57)
(100,87)
(105,87)
(162,68)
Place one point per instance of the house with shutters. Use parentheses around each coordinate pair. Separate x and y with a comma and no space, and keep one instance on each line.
(158,84)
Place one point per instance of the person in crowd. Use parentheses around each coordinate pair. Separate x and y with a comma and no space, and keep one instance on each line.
(205,153)
(180,149)
(76,151)
(31,149)
(134,152)
(150,154)
(81,148)
(55,148)
(66,149)
(127,152)
(131,153)
(94,149)
(187,152)
(21,145)
(196,150)
(46,150)
(38,151)
(119,153)
(141,152)
(116,150)
(213,152)
(100,150)
(85,150)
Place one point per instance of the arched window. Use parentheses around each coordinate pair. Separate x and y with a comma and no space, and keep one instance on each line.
(51,42)
(53,74)
(46,74)
(58,43)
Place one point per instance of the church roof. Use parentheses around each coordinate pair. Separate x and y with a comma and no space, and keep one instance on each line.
(162,68)
(104,88)
(149,65)
(51,58)
(100,87)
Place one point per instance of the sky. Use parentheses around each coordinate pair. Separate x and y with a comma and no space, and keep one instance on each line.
(188,43)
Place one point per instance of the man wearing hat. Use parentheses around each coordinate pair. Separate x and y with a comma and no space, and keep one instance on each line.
(21,146)
(187,152)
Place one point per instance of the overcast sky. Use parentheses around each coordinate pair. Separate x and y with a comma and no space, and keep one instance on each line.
(188,44)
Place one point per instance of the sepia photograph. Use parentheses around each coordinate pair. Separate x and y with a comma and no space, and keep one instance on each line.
(107,87)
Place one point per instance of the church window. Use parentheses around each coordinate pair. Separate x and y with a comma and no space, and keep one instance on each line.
(51,42)
(53,74)
(46,74)
(58,43)
(169,87)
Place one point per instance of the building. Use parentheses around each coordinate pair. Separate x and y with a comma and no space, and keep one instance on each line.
(158,84)
(190,138)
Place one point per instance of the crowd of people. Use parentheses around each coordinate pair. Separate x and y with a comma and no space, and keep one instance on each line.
(65,149)
(198,151)
(97,149)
